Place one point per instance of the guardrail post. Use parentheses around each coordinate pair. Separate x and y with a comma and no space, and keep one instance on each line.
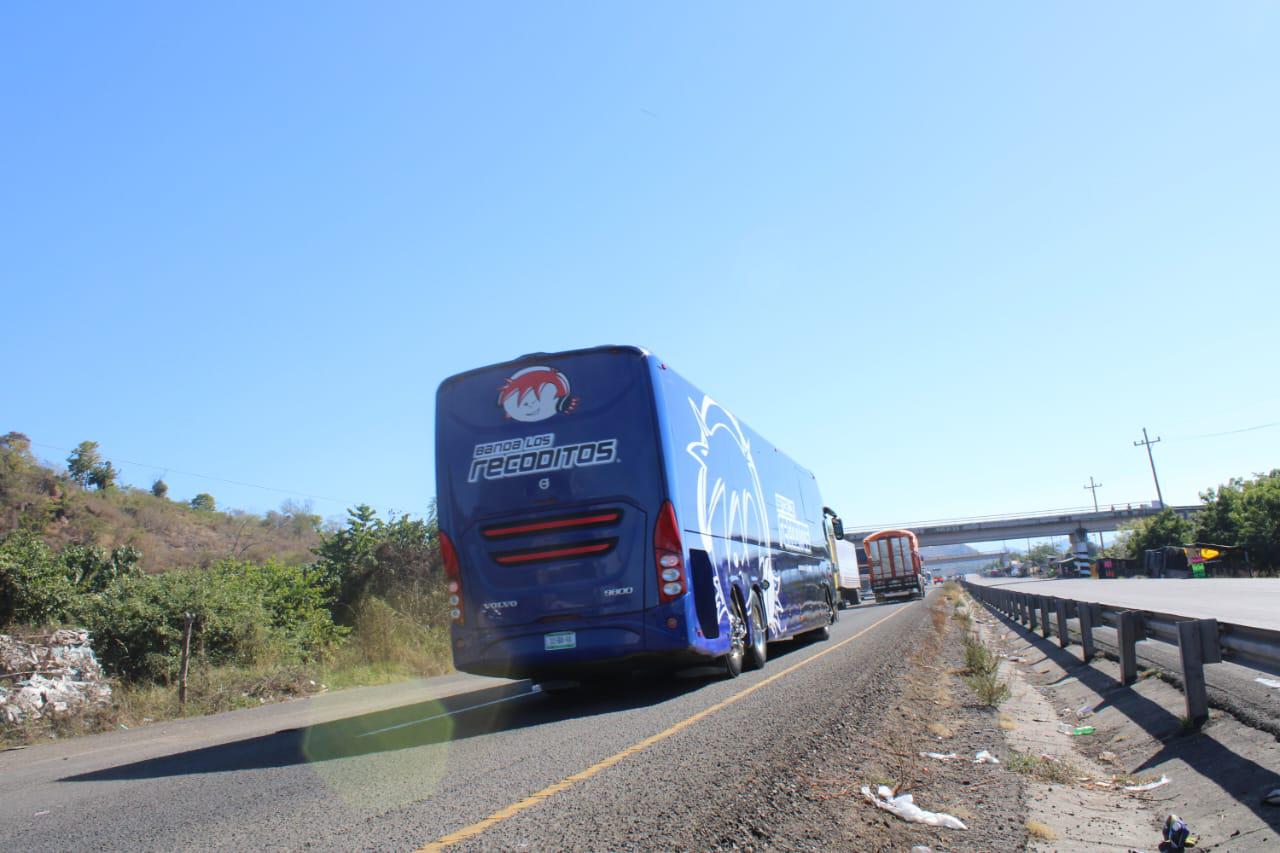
(1064,638)
(1130,622)
(1190,644)
(1044,616)
(1210,644)
(1031,613)
(1086,613)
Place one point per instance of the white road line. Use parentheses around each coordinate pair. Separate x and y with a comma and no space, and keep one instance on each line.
(533,690)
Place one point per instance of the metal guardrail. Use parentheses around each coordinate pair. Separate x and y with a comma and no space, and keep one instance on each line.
(1199,641)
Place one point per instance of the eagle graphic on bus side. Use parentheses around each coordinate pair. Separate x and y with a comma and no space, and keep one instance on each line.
(731,507)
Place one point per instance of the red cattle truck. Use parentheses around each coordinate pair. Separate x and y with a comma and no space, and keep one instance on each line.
(894,559)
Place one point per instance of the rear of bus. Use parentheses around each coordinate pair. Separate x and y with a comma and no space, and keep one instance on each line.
(894,560)
(553,514)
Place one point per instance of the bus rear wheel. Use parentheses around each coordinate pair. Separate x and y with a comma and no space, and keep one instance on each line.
(737,640)
(758,650)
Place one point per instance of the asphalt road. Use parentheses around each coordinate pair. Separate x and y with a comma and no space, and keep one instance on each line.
(1243,601)
(654,762)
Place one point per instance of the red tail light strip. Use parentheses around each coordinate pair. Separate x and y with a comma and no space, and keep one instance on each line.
(512,558)
(559,523)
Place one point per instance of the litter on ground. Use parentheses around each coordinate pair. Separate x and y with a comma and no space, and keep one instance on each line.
(1150,786)
(1068,729)
(940,756)
(985,757)
(1272,798)
(1176,835)
(904,807)
(1268,682)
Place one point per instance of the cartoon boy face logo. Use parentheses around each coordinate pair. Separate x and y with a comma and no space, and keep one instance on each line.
(535,394)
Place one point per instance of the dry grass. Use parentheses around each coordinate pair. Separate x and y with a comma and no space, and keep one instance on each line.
(1043,831)
(939,730)
(1045,769)
(982,665)
(1005,722)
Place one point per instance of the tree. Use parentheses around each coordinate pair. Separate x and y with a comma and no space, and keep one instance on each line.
(204,502)
(160,488)
(103,476)
(1156,531)
(15,454)
(370,556)
(1244,513)
(15,442)
(82,462)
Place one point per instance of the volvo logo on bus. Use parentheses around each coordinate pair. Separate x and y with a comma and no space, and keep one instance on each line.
(535,394)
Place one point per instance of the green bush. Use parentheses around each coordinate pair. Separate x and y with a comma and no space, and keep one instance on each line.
(34,586)
(245,614)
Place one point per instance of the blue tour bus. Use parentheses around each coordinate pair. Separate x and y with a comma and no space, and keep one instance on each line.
(598,512)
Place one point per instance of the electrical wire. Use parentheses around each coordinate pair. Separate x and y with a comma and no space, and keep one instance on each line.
(1226,432)
(215,479)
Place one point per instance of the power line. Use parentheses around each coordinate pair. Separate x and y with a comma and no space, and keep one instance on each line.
(1150,458)
(213,478)
(1227,432)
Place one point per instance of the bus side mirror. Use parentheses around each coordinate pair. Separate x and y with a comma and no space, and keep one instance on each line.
(837,528)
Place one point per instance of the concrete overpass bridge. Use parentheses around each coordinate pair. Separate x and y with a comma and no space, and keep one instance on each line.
(956,559)
(1040,525)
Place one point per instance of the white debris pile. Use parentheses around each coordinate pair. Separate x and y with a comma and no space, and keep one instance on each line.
(903,805)
(49,676)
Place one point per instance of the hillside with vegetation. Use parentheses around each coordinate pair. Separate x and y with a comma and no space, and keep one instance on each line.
(85,505)
(279,604)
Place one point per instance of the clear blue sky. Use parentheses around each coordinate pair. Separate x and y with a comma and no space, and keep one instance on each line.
(952,257)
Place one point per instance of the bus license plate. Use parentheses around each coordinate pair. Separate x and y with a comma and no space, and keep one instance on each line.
(560,640)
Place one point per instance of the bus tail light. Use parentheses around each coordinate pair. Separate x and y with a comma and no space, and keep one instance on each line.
(668,554)
(453,572)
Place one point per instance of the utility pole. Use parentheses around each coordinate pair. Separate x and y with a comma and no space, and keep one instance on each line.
(1093,487)
(1148,442)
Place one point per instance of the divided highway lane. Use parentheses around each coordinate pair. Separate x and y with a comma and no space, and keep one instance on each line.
(638,764)
(1244,601)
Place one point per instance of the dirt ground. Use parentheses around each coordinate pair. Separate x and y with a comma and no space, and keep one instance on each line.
(1217,775)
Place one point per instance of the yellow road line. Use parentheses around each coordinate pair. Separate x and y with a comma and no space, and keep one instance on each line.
(569,781)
